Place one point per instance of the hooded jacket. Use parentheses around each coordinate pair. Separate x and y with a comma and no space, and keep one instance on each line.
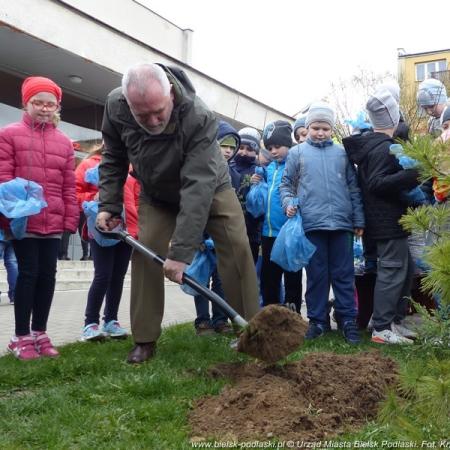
(181,168)
(382,180)
(245,168)
(225,129)
(40,152)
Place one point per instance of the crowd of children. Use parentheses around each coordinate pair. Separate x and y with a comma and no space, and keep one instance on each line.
(345,191)
(341,191)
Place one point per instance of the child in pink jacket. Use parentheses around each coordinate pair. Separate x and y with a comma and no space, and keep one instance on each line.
(36,150)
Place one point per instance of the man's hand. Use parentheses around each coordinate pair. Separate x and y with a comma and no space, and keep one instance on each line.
(105,221)
(359,232)
(173,270)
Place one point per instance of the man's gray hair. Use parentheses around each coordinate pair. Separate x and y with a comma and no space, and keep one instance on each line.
(140,75)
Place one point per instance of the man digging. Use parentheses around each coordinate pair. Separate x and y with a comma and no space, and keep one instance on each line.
(156,122)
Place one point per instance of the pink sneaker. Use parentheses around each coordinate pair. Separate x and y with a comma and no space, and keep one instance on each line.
(43,344)
(22,347)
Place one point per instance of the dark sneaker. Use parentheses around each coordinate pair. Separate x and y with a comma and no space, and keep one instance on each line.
(204,329)
(351,332)
(315,330)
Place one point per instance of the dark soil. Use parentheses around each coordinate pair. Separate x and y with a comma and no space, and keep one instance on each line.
(273,333)
(320,396)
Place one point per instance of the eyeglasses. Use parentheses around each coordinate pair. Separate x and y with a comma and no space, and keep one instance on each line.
(50,106)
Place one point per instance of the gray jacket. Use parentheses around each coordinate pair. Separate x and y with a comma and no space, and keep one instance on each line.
(324,181)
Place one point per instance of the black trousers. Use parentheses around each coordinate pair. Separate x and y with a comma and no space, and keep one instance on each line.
(36,260)
(271,274)
(110,267)
(63,251)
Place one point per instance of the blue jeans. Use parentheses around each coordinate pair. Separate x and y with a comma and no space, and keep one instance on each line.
(332,263)
(10,261)
(202,305)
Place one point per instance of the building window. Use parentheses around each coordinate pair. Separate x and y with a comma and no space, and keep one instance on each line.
(424,70)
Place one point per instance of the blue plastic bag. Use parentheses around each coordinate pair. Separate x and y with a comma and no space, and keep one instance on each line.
(416,196)
(202,267)
(256,200)
(358,256)
(357,248)
(20,198)
(92,176)
(91,210)
(292,250)
(405,161)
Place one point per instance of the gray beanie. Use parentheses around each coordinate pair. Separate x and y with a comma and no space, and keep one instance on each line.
(251,137)
(300,123)
(383,110)
(393,88)
(320,112)
(445,115)
(431,92)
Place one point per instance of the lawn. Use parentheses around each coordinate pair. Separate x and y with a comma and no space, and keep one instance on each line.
(90,398)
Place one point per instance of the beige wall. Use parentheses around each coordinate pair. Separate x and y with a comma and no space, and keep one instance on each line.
(55,23)
(139,22)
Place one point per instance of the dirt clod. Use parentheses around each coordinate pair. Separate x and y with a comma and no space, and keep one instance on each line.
(320,396)
(273,333)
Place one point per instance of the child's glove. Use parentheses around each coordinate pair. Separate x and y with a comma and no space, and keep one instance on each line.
(416,197)
(405,161)
(360,122)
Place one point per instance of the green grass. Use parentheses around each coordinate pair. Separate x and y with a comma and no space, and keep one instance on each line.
(90,398)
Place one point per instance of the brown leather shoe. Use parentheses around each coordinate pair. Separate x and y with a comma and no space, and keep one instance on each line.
(141,353)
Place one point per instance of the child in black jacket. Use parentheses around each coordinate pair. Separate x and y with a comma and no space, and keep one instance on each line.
(383,181)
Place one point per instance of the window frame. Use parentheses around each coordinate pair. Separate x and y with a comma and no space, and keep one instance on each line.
(426,72)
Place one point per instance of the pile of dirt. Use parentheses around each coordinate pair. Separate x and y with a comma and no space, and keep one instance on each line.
(320,396)
(273,333)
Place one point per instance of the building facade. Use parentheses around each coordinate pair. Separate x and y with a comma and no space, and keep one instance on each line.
(86,45)
(413,68)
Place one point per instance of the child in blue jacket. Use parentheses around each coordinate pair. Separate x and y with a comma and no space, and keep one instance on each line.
(320,175)
(277,138)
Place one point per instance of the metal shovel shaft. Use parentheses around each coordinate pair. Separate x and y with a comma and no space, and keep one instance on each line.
(207,293)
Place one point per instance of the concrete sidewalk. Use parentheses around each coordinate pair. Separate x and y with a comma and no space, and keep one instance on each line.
(67,314)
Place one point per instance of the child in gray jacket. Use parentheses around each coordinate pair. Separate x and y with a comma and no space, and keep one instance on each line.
(319,173)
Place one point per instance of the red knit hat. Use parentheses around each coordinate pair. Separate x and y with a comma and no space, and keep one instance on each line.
(33,85)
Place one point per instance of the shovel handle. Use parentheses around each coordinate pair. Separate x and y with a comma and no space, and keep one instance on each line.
(187,279)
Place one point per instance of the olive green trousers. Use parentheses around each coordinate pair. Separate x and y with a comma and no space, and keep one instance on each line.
(235,264)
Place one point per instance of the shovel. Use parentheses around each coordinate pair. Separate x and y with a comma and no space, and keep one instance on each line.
(124,236)
(271,334)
